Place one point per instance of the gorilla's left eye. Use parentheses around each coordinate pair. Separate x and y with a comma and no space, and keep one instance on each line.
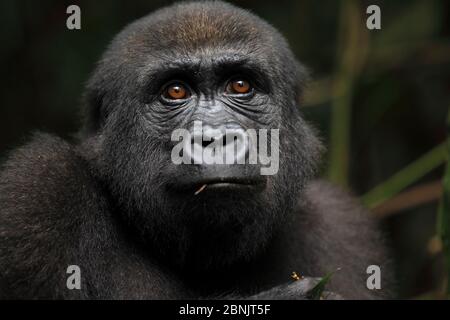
(238,86)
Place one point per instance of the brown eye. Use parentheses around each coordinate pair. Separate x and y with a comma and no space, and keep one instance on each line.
(176,91)
(238,86)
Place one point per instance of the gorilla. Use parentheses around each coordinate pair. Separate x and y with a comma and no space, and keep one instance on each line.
(139,226)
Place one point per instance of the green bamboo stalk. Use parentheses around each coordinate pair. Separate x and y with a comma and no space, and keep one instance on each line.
(340,137)
(405,177)
(351,57)
(341,107)
(444,214)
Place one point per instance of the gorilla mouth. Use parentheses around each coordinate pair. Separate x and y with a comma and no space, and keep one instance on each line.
(223,184)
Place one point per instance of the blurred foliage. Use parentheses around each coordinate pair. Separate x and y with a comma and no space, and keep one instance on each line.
(380,98)
(444,214)
(407,176)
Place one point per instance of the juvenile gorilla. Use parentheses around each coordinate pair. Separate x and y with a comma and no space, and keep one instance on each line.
(138,225)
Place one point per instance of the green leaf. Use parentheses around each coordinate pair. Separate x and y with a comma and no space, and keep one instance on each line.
(317,291)
(405,177)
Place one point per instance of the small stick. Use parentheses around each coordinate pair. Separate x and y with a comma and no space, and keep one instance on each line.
(200,190)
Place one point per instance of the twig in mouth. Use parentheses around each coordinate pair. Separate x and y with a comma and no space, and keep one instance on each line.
(200,190)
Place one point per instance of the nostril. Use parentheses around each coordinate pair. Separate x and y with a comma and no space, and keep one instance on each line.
(237,147)
(208,138)
(206,143)
(230,139)
(194,148)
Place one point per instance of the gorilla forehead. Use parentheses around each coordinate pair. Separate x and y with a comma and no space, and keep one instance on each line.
(186,29)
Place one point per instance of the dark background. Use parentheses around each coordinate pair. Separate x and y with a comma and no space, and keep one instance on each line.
(390,90)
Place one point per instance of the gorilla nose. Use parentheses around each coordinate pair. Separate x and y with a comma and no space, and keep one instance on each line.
(218,146)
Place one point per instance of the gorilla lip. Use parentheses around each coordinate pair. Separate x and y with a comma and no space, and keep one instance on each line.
(228,183)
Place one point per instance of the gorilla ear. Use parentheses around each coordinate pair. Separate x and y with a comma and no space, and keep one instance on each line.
(303,78)
(100,93)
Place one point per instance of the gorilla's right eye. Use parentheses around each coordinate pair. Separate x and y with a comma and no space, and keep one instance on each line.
(176,91)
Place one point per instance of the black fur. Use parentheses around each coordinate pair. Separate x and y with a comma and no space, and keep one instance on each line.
(105,202)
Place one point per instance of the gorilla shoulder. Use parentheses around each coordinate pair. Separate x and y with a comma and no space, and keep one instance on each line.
(344,237)
(45,175)
(46,194)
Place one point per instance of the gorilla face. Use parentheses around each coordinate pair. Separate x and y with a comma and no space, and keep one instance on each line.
(230,70)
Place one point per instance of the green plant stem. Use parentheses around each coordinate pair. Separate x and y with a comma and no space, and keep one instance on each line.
(406,176)
(351,55)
